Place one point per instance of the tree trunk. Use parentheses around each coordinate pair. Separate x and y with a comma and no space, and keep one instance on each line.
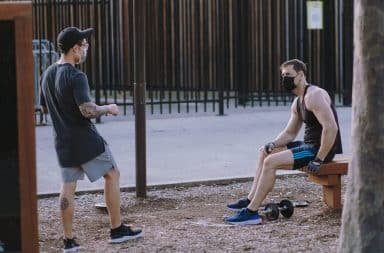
(363,214)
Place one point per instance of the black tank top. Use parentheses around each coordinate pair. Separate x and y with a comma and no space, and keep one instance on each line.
(313,129)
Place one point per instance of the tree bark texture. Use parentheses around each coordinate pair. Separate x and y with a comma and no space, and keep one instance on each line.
(363,213)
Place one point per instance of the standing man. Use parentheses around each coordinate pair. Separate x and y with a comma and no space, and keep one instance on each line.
(312,106)
(80,148)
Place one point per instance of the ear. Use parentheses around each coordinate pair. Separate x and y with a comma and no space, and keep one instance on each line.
(75,48)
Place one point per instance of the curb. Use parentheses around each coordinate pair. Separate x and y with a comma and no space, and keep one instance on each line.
(223,181)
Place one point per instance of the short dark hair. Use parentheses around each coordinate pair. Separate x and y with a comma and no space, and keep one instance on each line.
(297,65)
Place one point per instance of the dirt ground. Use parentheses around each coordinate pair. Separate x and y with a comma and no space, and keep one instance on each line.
(191,220)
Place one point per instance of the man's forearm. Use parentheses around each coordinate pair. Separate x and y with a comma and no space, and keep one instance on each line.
(283,139)
(91,110)
(328,137)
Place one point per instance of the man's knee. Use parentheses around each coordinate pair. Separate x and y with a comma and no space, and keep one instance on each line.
(262,155)
(269,163)
(68,188)
(113,174)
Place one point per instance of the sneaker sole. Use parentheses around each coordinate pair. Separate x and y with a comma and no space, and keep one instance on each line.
(125,238)
(247,222)
(234,209)
(72,250)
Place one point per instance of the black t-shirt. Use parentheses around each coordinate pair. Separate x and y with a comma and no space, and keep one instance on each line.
(63,89)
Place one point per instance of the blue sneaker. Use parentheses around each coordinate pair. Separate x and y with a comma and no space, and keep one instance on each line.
(239,205)
(245,217)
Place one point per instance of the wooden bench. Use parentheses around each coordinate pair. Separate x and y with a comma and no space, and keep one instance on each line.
(329,177)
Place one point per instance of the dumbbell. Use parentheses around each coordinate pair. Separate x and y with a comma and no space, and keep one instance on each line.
(286,208)
(272,210)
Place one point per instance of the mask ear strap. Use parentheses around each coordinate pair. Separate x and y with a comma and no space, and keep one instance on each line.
(75,50)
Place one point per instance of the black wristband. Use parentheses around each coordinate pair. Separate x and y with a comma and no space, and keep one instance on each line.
(318,160)
(269,147)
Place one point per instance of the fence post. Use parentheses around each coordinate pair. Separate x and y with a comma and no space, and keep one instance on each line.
(139,93)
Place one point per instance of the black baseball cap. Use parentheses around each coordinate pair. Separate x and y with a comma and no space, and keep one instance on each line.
(68,37)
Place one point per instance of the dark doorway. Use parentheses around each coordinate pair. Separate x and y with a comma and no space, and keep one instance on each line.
(9,172)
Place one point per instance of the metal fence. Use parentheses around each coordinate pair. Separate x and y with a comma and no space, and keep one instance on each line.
(205,55)
(43,55)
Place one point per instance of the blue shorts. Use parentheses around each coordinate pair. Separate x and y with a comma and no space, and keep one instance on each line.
(304,153)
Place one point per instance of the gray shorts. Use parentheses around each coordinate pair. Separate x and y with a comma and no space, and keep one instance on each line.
(94,169)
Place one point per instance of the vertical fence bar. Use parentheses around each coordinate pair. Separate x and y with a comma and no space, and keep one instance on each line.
(203,45)
(178,50)
(171,44)
(212,47)
(167,45)
(347,53)
(220,53)
(195,34)
(186,54)
(225,36)
(159,53)
(329,48)
(251,52)
(125,52)
(132,49)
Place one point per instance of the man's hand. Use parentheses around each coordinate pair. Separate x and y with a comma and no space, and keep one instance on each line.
(113,109)
(314,165)
(268,148)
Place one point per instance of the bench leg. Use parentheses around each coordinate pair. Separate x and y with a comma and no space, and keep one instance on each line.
(332,195)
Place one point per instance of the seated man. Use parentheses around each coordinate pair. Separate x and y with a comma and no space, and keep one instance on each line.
(322,141)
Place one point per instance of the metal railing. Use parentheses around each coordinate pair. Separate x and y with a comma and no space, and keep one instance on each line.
(205,55)
(44,55)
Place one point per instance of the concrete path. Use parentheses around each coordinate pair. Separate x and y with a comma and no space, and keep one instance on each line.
(182,148)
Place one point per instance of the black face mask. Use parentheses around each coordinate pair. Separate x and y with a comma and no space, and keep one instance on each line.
(288,83)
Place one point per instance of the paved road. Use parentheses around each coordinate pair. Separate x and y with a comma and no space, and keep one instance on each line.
(182,148)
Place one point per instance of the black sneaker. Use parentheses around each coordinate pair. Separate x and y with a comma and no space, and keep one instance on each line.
(237,206)
(70,245)
(124,233)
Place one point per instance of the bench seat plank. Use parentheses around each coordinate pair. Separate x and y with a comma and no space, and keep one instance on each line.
(339,166)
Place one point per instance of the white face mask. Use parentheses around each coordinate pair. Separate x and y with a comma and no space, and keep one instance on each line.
(83,56)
